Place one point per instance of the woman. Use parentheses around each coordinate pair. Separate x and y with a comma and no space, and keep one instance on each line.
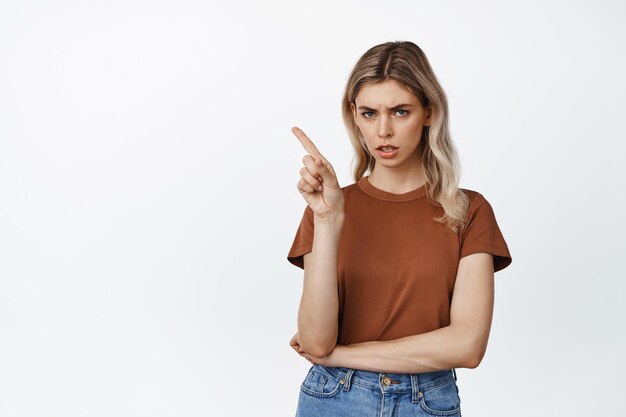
(398,266)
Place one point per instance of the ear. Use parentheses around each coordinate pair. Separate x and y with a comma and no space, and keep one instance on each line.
(353,108)
(429,115)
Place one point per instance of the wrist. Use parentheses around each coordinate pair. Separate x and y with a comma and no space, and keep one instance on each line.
(330,224)
(334,218)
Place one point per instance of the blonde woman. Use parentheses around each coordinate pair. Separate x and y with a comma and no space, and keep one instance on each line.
(399,265)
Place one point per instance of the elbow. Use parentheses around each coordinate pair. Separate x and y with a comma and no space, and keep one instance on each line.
(318,344)
(473,361)
(474,355)
(319,350)
(322,352)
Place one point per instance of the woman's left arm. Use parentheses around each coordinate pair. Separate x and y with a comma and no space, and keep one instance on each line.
(462,344)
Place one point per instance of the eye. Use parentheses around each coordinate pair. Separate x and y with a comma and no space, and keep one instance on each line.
(365,114)
(405,112)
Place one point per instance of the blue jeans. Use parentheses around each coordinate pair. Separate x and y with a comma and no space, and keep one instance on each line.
(335,391)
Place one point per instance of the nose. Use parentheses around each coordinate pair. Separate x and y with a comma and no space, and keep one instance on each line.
(384,128)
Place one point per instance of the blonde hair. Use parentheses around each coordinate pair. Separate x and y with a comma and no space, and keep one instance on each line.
(406,63)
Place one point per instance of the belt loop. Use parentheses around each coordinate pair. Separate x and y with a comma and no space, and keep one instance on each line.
(415,388)
(454,373)
(348,379)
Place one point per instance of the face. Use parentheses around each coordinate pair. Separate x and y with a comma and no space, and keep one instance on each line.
(387,113)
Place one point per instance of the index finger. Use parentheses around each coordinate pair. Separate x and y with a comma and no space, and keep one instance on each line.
(306,142)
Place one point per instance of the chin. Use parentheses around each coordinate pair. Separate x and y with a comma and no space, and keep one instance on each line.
(388,162)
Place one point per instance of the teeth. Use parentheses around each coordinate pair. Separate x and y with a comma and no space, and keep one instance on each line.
(387,149)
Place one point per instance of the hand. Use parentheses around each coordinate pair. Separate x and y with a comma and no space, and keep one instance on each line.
(318,185)
(329,360)
(295,344)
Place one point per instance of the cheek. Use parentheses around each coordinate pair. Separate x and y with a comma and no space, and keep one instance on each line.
(412,125)
(367,129)
(410,130)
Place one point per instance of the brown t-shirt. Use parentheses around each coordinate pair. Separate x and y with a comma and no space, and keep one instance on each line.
(396,266)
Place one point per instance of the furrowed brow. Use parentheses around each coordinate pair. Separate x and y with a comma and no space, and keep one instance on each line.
(388,108)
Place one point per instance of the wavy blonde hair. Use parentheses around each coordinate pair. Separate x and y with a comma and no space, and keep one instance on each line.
(406,63)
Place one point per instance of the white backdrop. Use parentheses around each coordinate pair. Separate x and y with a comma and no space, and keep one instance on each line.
(148,195)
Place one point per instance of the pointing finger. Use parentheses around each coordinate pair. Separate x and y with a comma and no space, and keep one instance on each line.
(327,173)
(306,142)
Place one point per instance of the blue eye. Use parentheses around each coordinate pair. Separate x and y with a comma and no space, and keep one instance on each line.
(365,113)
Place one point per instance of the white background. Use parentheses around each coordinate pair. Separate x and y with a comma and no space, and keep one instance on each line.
(148,195)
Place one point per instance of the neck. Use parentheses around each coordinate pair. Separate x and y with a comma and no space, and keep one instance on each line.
(397,180)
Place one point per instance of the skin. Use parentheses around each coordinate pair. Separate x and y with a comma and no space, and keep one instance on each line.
(463,343)
(319,305)
(381,123)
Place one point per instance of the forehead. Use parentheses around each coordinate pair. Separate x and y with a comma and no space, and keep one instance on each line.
(387,93)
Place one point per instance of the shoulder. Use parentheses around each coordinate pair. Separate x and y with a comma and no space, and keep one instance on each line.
(470,193)
(350,188)
(474,197)
(477,202)
(482,232)
(479,209)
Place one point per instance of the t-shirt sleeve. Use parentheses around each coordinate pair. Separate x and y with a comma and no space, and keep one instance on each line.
(483,234)
(303,241)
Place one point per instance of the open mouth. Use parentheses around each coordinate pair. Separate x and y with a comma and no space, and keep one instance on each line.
(387,151)
(386,147)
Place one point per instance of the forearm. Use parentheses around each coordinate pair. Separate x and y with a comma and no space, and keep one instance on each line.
(319,305)
(445,348)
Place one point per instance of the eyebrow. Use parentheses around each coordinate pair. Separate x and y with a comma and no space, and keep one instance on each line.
(388,108)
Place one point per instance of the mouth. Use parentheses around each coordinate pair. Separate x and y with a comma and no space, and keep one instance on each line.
(387,151)
(387,148)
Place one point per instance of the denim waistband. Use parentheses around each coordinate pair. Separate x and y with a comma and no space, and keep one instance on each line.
(391,382)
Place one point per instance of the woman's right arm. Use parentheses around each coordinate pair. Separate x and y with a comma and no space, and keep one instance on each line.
(318,319)
(319,306)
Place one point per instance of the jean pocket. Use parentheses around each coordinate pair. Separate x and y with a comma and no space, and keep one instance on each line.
(442,399)
(320,383)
